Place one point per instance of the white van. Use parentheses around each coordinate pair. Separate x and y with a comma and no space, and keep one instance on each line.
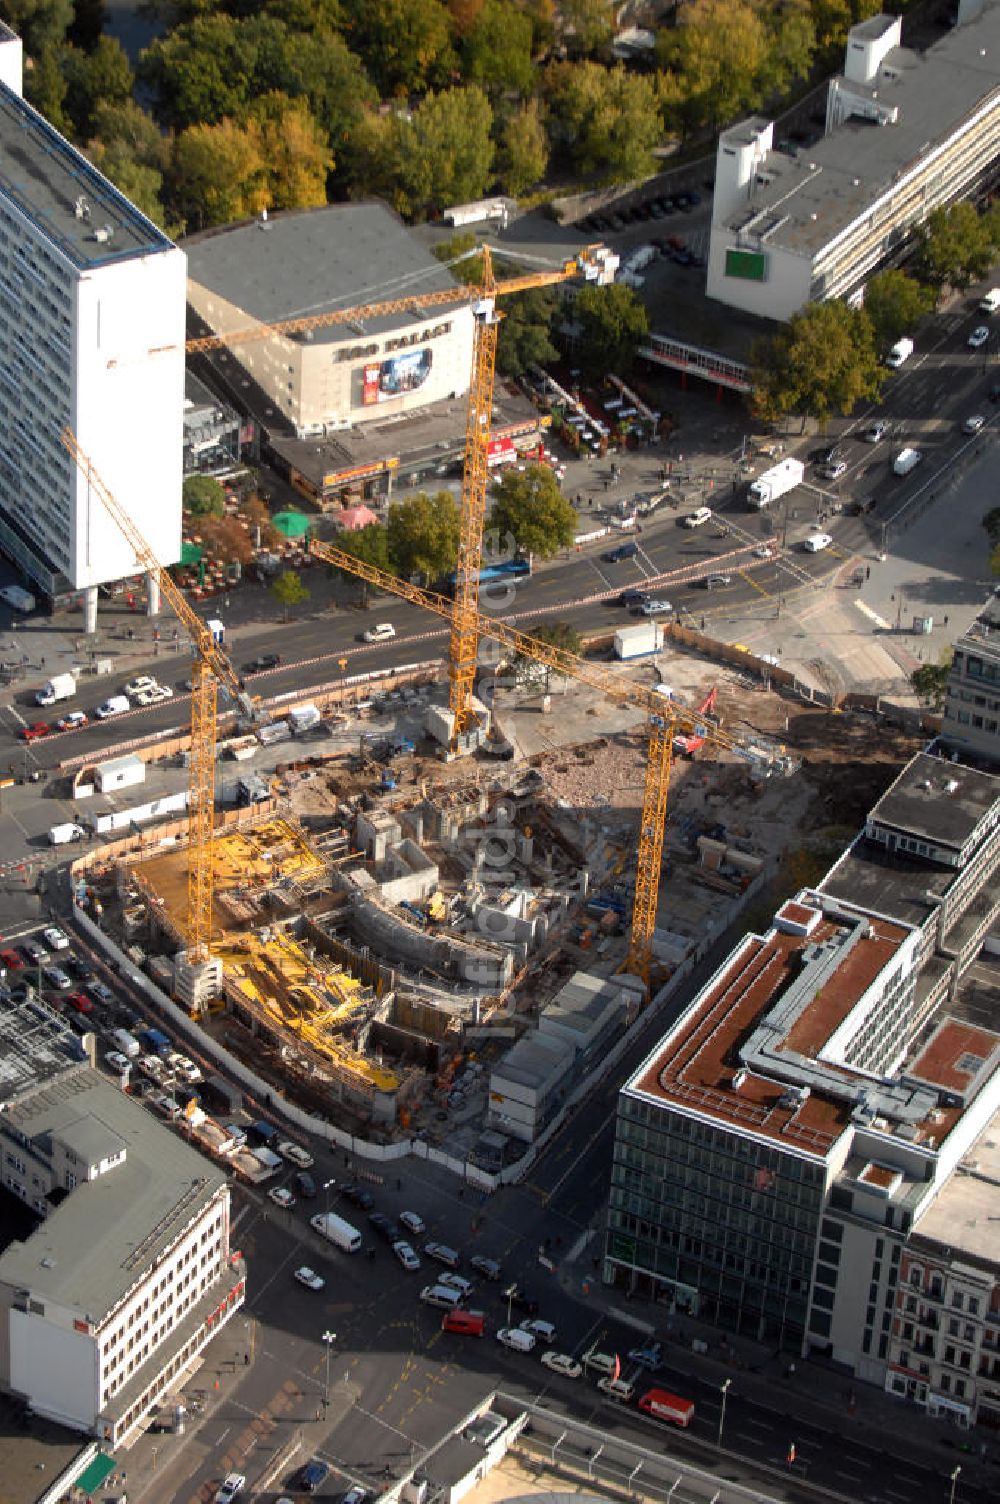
(622,1390)
(116,705)
(382,632)
(516,1340)
(905,461)
(816,543)
(991,302)
(442,1296)
(126,1044)
(901,351)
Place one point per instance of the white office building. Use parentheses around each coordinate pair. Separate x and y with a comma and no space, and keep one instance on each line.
(108,1303)
(92,329)
(906,132)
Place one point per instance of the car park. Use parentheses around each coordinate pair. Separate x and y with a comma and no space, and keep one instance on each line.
(35,731)
(875,432)
(413,1223)
(309,1278)
(562,1363)
(72,721)
(488,1268)
(973,424)
(443,1254)
(699,517)
(313,1475)
(281,1197)
(232,1485)
(979,337)
(405,1254)
(543,1330)
(517,1340)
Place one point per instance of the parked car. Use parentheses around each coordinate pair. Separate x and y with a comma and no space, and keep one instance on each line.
(313,1475)
(699,517)
(79,1002)
(34,952)
(11,959)
(562,1363)
(978,337)
(834,470)
(406,1255)
(295,1154)
(309,1278)
(413,1223)
(488,1268)
(70,722)
(358,1196)
(117,1061)
(232,1485)
(442,1253)
(57,978)
(655,608)
(457,1282)
(35,731)
(521,1300)
(281,1197)
(305,1185)
(543,1330)
(55,938)
(389,1231)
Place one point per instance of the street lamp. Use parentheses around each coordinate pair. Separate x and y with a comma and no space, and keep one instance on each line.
(954,1480)
(722,1414)
(329,1339)
(326,1186)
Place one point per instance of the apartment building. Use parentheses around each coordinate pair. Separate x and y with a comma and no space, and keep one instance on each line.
(92,329)
(906,132)
(777,1150)
(971,718)
(130,1273)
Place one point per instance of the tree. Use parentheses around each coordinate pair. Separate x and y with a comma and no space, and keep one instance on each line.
(586,26)
(406,44)
(603,121)
(531,513)
(440,155)
(525,337)
(955,246)
(558,634)
(715,56)
(255,513)
(497,50)
(288,590)
(371,546)
(823,362)
(791,46)
(612,323)
(203,496)
(95,79)
(296,151)
(219,174)
(129,149)
(39,23)
(423,535)
(929,681)
(524,150)
(45,88)
(895,302)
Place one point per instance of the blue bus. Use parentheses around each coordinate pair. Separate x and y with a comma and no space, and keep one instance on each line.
(509,569)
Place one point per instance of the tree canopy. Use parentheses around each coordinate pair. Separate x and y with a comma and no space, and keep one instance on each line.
(531,509)
(612,324)
(203,496)
(957,245)
(823,363)
(423,535)
(895,302)
(525,336)
(288,590)
(930,680)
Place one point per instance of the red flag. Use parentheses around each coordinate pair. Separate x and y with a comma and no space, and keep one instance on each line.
(791,1453)
(617,1368)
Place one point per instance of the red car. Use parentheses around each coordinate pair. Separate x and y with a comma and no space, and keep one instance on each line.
(80,1002)
(32,733)
(12,960)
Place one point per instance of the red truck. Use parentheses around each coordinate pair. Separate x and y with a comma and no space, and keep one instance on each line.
(32,733)
(664,1406)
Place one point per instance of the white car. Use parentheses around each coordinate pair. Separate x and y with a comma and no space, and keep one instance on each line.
(281,1197)
(187,1070)
(153,1067)
(413,1223)
(383,632)
(71,722)
(973,424)
(456,1282)
(655,608)
(698,518)
(296,1155)
(55,939)
(515,1339)
(139,685)
(543,1330)
(406,1256)
(978,337)
(155,694)
(309,1278)
(816,543)
(232,1484)
(562,1363)
(117,1061)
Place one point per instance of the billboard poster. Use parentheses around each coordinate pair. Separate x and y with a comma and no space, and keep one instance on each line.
(396,376)
(501,452)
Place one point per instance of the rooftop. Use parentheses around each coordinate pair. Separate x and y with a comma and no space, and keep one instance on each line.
(962,1217)
(817,194)
(317,260)
(35,1047)
(903,888)
(84,217)
(937,800)
(93,1248)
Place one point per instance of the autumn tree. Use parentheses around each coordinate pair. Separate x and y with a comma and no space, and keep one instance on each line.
(530,508)
(586,26)
(613,322)
(423,535)
(497,50)
(405,43)
(218,174)
(956,246)
(823,362)
(296,151)
(441,154)
(523,153)
(895,302)
(713,59)
(288,590)
(603,121)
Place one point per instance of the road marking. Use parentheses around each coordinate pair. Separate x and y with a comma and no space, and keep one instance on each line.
(873,616)
(749,580)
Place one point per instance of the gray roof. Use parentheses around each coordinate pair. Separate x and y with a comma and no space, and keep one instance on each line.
(100,1241)
(937,800)
(582,1002)
(317,260)
(827,186)
(868,878)
(47,179)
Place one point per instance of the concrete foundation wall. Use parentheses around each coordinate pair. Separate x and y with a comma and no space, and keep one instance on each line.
(446,955)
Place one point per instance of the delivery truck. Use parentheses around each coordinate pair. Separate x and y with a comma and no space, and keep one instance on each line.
(639,641)
(781,478)
(61,835)
(336,1231)
(59,687)
(20,600)
(664,1406)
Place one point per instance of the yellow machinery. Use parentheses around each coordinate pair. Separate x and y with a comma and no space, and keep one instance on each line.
(666,720)
(595,264)
(211,666)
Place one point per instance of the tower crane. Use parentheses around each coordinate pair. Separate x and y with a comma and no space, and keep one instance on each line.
(666,719)
(595,264)
(211,667)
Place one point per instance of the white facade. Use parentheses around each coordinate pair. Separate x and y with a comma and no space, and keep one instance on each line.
(92,329)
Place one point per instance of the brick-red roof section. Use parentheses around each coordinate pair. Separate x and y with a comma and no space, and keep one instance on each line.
(938,1062)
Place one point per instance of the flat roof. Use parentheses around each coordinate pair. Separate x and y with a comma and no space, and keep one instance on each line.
(938,800)
(870,879)
(962,1216)
(96,1245)
(315,261)
(822,190)
(64,196)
